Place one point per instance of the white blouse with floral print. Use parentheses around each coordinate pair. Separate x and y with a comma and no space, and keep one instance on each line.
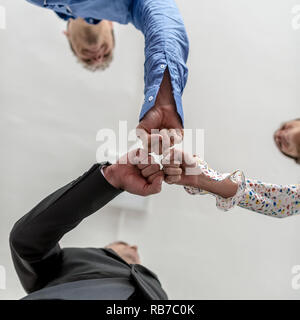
(266,198)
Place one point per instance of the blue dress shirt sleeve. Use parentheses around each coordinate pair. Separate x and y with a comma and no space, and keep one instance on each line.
(166,41)
(166,46)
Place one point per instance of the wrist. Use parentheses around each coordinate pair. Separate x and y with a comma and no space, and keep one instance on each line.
(204,182)
(110,174)
(224,188)
(228,188)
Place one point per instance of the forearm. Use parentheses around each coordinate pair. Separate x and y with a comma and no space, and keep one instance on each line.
(224,188)
(34,238)
(227,188)
(198,175)
(266,198)
(271,199)
(39,231)
(166,48)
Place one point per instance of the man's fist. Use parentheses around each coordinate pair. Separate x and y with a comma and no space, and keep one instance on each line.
(163,119)
(131,172)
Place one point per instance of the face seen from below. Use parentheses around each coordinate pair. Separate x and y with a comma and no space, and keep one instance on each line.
(92,44)
(287,138)
(125,251)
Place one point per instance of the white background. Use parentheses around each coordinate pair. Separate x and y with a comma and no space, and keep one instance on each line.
(244,81)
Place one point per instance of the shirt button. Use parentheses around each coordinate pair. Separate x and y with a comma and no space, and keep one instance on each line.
(162,66)
(150,98)
(69,9)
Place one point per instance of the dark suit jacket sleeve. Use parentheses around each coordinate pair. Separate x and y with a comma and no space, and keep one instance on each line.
(34,238)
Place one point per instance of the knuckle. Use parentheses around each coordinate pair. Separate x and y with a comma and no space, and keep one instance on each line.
(144,174)
(156,167)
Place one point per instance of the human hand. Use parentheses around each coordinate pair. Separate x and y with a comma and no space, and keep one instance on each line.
(182,168)
(161,127)
(135,174)
(156,130)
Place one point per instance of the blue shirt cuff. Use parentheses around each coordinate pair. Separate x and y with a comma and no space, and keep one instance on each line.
(150,98)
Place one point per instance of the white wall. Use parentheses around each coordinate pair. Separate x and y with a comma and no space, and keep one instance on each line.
(244,81)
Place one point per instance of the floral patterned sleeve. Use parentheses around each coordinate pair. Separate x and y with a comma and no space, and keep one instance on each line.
(266,198)
(271,199)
